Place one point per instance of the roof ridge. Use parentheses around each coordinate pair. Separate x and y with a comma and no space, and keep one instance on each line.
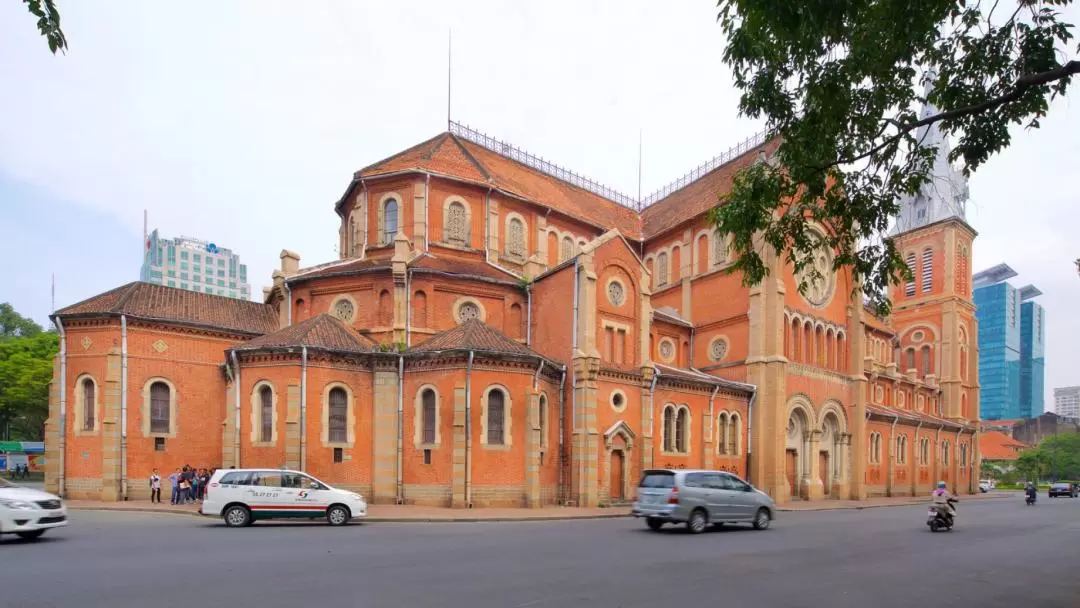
(123,300)
(469,155)
(402,152)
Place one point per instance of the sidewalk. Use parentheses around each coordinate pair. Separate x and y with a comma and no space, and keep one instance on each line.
(413,513)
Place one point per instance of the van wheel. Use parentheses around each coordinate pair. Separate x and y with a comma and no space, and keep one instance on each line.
(337,515)
(237,516)
(654,523)
(697,522)
(762,519)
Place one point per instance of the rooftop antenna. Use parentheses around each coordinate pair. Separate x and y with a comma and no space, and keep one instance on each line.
(639,169)
(449,65)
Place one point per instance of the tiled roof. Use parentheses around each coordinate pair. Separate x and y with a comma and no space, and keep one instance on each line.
(669,314)
(995,445)
(461,266)
(322,331)
(450,155)
(699,376)
(912,415)
(341,267)
(158,302)
(698,196)
(474,335)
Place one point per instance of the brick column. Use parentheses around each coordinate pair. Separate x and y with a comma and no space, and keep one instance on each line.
(384,438)
(860,391)
(229,446)
(458,496)
(54,436)
(419,226)
(110,429)
(532,450)
(292,426)
(645,445)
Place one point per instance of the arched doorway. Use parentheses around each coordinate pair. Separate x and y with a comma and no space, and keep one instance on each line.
(796,456)
(618,445)
(833,451)
(618,482)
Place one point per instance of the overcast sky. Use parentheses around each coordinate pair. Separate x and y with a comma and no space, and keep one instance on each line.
(242,122)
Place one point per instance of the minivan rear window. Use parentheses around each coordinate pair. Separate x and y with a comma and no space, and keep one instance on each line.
(657,479)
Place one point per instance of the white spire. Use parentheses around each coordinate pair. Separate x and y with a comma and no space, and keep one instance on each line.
(946,194)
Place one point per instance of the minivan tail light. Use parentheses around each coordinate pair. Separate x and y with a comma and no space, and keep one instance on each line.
(673,498)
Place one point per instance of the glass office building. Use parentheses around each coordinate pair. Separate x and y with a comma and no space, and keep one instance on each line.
(1011,346)
(194,265)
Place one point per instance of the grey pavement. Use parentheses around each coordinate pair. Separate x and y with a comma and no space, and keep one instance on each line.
(1002,553)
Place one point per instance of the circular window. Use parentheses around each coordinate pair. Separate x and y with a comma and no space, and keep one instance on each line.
(616,293)
(468,311)
(618,400)
(344,310)
(819,278)
(667,350)
(917,336)
(718,349)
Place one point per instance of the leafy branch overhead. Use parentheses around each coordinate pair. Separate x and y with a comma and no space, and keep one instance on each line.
(838,82)
(48,23)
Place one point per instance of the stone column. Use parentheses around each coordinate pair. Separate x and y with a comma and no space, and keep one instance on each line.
(293,449)
(398,266)
(492,220)
(814,489)
(532,450)
(110,429)
(585,454)
(229,447)
(647,419)
(384,436)
(842,474)
(541,241)
(860,390)
(363,222)
(458,497)
(419,225)
(54,433)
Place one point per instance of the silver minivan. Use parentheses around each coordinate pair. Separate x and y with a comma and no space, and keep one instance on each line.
(699,498)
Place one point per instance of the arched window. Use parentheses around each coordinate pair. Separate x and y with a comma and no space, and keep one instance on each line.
(963,455)
(796,341)
(702,254)
(910,359)
(266,414)
(927,363)
(390,221)
(419,310)
(456,231)
(682,429)
(722,422)
(924,451)
(496,412)
(385,308)
(945,453)
(542,420)
(566,249)
(901,449)
(927,269)
(661,269)
(676,263)
(909,287)
(88,404)
(734,433)
(159,407)
(339,415)
(720,249)
(514,321)
(428,414)
(515,238)
(669,429)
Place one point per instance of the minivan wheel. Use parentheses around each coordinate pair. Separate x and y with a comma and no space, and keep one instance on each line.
(337,515)
(654,523)
(237,516)
(697,522)
(762,519)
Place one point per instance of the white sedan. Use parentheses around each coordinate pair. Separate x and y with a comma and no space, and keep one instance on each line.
(28,513)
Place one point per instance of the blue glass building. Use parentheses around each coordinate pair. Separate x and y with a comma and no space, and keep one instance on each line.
(1011,350)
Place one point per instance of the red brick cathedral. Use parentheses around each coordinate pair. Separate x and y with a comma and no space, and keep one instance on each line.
(500,331)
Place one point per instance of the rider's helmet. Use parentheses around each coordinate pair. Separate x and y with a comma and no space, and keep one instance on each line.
(941,484)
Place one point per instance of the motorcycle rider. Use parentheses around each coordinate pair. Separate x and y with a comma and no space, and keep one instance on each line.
(942,498)
(1030,491)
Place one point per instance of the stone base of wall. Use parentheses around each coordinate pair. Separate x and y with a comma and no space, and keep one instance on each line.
(549,495)
(498,496)
(88,488)
(877,492)
(429,495)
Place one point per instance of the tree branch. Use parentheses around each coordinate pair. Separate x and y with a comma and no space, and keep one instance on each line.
(1022,85)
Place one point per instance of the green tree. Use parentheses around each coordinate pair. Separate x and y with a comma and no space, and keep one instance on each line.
(1033,464)
(48,23)
(12,324)
(25,372)
(838,82)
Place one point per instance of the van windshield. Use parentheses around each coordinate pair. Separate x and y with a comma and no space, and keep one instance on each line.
(657,479)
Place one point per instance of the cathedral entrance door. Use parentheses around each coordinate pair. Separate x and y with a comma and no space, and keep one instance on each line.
(823,465)
(618,461)
(792,469)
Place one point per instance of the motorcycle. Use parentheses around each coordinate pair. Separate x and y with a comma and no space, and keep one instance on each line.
(938,517)
(1030,499)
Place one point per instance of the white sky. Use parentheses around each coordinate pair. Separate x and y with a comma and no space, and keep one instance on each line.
(241,122)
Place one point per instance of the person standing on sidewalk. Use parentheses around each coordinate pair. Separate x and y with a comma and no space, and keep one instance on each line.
(155,487)
(174,479)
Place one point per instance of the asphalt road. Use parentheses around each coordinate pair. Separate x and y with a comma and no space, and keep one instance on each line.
(1002,553)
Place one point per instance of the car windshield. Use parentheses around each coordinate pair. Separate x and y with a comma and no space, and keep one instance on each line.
(657,479)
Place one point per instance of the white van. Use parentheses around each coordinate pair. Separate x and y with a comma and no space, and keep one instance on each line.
(241,496)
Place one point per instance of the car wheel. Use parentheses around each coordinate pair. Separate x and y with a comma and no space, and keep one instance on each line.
(654,523)
(30,534)
(237,516)
(762,519)
(337,515)
(697,522)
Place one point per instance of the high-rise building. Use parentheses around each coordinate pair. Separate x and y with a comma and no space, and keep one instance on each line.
(1067,401)
(194,265)
(1032,353)
(1011,346)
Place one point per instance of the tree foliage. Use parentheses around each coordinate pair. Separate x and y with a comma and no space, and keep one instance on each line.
(838,82)
(1057,457)
(26,367)
(48,23)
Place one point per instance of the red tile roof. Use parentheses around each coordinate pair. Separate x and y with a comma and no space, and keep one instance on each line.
(912,415)
(698,376)
(699,196)
(461,266)
(342,268)
(995,445)
(161,303)
(474,335)
(322,331)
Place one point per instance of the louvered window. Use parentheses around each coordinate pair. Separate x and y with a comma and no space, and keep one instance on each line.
(909,287)
(927,270)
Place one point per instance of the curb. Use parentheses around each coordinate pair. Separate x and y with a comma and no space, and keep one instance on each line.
(862,507)
(376,520)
